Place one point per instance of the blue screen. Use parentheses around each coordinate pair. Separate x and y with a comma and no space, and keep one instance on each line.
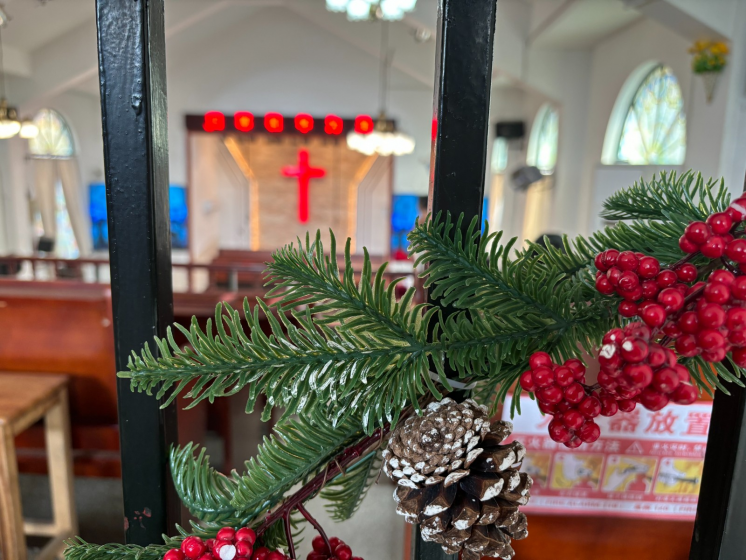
(178,213)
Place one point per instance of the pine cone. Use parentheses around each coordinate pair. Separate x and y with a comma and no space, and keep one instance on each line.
(457,481)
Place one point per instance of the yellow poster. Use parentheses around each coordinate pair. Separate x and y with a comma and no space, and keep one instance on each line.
(679,476)
(629,474)
(576,471)
(537,464)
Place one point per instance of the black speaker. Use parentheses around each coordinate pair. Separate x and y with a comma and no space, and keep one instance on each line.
(510,130)
(523,177)
(45,245)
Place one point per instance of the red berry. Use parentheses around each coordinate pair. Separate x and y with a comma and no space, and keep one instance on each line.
(590,407)
(688,322)
(224,550)
(628,281)
(600,262)
(334,542)
(559,432)
(634,349)
(656,356)
(226,534)
(356,558)
(698,287)
(577,367)
(723,276)
(613,336)
(604,286)
(626,405)
(687,272)
(193,547)
(243,549)
(710,316)
(698,232)
(207,556)
(720,223)
(666,278)
(639,375)
(613,275)
(665,380)
(686,345)
(543,376)
(611,256)
(547,408)
(654,315)
(713,248)
(246,534)
(276,555)
(319,545)
(343,552)
(609,406)
(672,330)
(639,330)
(739,357)
(549,395)
(590,432)
(735,319)
(575,393)
(317,556)
(563,376)
(684,394)
(649,267)
(527,384)
(627,261)
(710,340)
(687,246)
(573,419)
(540,359)
(716,355)
(260,553)
(737,338)
(627,309)
(210,543)
(652,400)
(632,295)
(174,554)
(671,299)
(736,250)
(650,289)
(574,443)
(716,292)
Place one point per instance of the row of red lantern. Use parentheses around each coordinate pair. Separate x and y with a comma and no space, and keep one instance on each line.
(244,121)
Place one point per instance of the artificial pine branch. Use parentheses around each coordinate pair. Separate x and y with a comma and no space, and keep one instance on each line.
(347,491)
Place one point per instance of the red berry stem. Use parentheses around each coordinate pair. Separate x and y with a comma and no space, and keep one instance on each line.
(316,525)
(731,268)
(289,534)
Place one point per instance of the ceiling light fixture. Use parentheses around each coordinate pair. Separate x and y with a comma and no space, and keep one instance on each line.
(9,123)
(384,139)
(362,10)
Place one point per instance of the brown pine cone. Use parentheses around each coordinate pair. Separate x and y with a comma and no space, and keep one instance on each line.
(457,481)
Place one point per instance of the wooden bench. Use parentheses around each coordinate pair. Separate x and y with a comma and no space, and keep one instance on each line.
(24,400)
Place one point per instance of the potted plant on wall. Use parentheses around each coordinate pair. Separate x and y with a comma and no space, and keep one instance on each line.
(709,60)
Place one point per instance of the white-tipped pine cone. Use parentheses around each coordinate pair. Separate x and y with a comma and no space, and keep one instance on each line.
(457,481)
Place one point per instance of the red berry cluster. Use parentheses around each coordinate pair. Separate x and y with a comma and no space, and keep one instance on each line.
(635,369)
(228,544)
(713,324)
(712,238)
(648,291)
(561,392)
(335,550)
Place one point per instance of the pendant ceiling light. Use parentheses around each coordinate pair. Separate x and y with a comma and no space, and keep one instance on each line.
(361,10)
(384,139)
(9,123)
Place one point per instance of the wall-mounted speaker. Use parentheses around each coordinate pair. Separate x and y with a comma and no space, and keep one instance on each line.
(510,130)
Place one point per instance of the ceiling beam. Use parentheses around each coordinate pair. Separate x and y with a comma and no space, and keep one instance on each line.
(550,20)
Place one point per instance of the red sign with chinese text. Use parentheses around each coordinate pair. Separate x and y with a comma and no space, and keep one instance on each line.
(645,465)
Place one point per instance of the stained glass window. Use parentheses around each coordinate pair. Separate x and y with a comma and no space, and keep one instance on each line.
(54,138)
(542,145)
(654,130)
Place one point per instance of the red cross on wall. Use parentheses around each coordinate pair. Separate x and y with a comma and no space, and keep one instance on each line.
(304,173)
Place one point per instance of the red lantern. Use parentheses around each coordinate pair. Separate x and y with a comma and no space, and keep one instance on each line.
(303,123)
(333,124)
(214,121)
(274,122)
(363,124)
(243,121)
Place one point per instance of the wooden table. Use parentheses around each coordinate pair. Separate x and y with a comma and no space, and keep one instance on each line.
(25,399)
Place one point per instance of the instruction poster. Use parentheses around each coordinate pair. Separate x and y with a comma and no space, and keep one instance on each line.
(645,465)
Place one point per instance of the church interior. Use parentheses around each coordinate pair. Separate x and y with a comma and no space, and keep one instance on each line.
(292,117)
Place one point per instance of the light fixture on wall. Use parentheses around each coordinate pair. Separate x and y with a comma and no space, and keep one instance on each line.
(383,139)
(10,125)
(362,10)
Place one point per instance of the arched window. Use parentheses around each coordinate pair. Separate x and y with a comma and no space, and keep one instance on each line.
(54,138)
(648,125)
(542,144)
